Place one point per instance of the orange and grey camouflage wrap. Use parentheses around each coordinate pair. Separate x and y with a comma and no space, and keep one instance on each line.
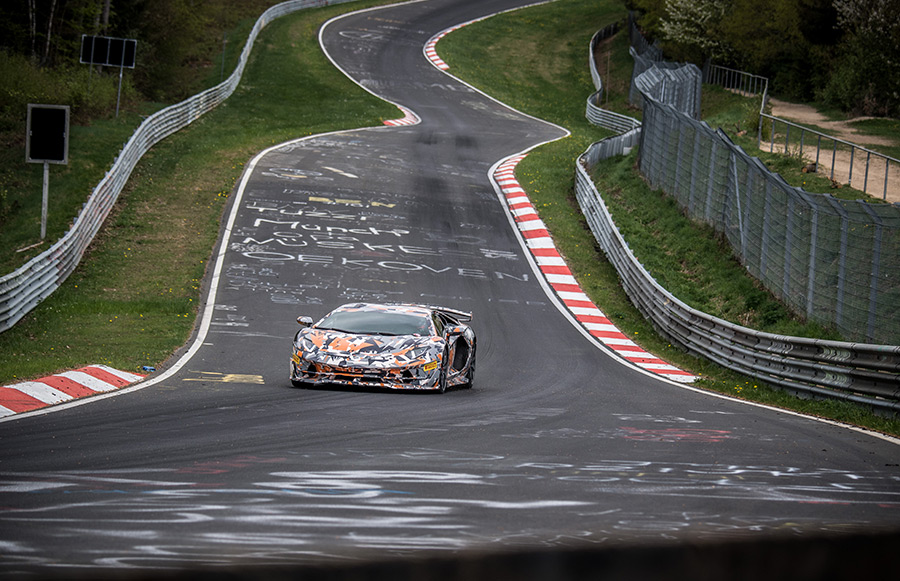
(435,350)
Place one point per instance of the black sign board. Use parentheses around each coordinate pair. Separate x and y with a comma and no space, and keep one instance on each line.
(47,139)
(103,50)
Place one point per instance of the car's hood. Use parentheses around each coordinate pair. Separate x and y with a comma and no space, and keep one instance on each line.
(337,348)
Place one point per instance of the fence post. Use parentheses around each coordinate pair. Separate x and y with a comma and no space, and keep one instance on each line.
(678,156)
(695,159)
(842,259)
(736,189)
(811,271)
(764,244)
(788,244)
(876,262)
(852,152)
(711,182)
(866,177)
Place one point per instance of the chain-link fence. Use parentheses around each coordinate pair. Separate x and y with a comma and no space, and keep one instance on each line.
(836,261)
(702,159)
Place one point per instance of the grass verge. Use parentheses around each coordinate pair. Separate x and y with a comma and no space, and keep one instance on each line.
(555,87)
(133,299)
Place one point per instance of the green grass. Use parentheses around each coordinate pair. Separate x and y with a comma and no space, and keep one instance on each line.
(92,150)
(556,52)
(132,301)
(887,128)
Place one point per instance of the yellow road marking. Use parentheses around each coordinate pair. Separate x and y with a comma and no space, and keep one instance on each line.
(227,377)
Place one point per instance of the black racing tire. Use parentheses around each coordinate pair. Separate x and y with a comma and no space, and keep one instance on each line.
(299,384)
(470,377)
(442,378)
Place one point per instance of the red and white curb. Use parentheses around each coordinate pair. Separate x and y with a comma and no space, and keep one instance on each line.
(409,118)
(62,387)
(431,47)
(560,278)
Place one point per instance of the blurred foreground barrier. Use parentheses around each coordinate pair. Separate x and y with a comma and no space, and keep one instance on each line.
(753,557)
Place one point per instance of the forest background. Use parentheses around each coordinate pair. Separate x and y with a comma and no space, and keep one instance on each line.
(841,54)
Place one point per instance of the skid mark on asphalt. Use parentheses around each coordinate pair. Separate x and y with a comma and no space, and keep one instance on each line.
(560,278)
(62,387)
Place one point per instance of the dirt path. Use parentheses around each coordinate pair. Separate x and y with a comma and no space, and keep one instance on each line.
(807,116)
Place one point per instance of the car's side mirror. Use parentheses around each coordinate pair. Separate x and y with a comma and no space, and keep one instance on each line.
(305,321)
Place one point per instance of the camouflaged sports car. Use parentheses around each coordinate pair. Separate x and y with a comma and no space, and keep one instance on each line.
(397,346)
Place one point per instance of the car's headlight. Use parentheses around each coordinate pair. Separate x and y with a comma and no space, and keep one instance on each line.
(417,352)
(303,345)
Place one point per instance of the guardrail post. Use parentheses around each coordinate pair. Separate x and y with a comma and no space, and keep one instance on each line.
(866,177)
(850,179)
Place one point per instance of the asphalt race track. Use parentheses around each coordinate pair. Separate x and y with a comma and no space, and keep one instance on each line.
(558,444)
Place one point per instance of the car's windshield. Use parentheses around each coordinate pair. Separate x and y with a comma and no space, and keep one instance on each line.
(377,323)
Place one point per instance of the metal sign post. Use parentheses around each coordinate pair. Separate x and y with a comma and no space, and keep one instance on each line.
(112,52)
(45,199)
(47,141)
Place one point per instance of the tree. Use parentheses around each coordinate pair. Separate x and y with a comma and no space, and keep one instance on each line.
(650,14)
(789,41)
(866,77)
(692,29)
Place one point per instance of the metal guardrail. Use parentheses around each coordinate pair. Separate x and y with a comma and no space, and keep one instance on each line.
(611,120)
(864,373)
(595,112)
(25,288)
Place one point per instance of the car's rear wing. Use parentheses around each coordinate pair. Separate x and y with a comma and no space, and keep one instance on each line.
(461,316)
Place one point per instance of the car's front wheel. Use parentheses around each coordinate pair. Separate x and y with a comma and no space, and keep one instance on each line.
(470,376)
(442,377)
